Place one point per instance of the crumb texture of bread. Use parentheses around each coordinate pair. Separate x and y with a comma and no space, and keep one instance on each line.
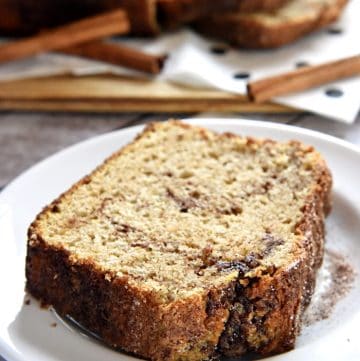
(187,243)
(294,19)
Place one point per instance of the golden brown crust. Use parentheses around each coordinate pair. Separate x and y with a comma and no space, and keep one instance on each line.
(263,315)
(250,32)
(266,315)
(122,315)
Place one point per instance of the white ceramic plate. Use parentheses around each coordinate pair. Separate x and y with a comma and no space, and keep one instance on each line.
(26,332)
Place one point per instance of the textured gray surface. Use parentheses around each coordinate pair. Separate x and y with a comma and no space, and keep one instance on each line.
(26,138)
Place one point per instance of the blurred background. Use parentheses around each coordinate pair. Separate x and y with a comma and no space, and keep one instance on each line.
(72,69)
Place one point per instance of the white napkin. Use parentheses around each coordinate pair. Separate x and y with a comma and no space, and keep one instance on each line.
(192,63)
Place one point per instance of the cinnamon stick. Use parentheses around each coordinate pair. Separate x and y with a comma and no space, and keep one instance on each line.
(111,23)
(303,79)
(118,55)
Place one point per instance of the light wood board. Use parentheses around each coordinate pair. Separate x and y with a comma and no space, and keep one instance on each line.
(108,93)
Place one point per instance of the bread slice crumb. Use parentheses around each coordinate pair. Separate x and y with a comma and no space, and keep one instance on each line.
(185,242)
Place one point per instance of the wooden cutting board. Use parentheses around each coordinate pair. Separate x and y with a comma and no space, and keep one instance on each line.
(107,93)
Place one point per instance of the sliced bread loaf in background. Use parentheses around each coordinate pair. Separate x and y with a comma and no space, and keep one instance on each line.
(270,30)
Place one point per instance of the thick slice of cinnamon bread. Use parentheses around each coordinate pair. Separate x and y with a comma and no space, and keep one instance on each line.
(270,30)
(186,243)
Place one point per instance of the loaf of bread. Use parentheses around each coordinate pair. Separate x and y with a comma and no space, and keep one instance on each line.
(270,30)
(186,244)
